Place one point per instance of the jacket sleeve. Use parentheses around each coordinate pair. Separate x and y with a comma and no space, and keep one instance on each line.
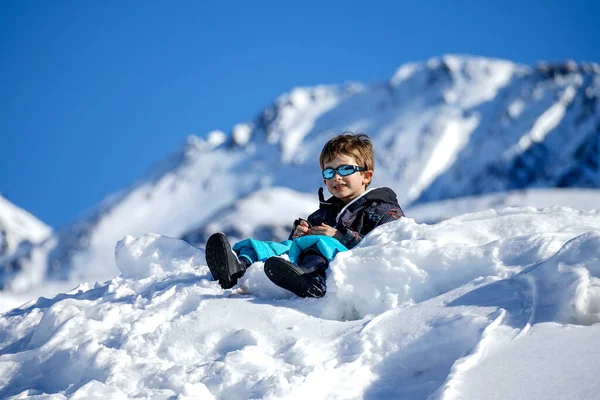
(384,213)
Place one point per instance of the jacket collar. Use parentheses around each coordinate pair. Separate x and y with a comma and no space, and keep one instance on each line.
(383,194)
(357,201)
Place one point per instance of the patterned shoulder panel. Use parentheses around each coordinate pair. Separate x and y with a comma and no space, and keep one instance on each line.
(395,213)
(382,213)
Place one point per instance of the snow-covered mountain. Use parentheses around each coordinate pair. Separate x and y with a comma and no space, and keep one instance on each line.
(443,128)
(541,130)
(20,233)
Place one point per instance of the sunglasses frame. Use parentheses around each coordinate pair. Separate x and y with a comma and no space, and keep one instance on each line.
(355,168)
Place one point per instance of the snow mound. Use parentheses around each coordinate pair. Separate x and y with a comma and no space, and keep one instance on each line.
(153,254)
(567,286)
(411,262)
(466,307)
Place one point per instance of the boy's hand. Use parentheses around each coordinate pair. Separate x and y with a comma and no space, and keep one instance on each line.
(324,230)
(302,229)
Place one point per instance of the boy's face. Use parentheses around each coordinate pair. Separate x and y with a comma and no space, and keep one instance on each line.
(346,188)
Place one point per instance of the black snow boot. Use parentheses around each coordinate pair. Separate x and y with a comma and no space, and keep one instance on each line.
(223,263)
(305,280)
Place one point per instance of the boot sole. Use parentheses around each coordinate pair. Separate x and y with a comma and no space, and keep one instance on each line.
(286,275)
(218,257)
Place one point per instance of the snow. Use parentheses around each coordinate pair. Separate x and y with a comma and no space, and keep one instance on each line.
(20,259)
(21,225)
(578,199)
(548,121)
(516,108)
(154,254)
(404,72)
(241,134)
(453,138)
(298,112)
(485,77)
(492,304)
(216,138)
(570,350)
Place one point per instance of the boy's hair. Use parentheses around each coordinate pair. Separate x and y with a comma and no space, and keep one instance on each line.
(357,145)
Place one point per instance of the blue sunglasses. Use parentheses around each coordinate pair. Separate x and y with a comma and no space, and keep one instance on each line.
(342,170)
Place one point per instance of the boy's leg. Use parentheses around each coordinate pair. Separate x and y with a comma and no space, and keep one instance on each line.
(308,279)
(223,263)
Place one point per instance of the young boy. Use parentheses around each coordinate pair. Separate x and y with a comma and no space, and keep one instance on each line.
(347,162)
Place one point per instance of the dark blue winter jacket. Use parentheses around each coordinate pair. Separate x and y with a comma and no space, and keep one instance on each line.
(375,207)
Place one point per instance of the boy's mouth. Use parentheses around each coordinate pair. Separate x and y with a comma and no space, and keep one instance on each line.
(339,187)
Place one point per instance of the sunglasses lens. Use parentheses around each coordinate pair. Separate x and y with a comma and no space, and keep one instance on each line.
(328,173)
(346,170)
(343,170)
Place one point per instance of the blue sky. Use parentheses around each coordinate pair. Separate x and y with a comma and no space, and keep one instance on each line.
(94,93)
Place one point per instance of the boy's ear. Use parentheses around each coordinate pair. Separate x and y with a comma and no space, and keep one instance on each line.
(367,176)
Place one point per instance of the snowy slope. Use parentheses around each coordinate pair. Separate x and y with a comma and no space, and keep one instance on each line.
(491,305)
(578,199)
(447,127)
